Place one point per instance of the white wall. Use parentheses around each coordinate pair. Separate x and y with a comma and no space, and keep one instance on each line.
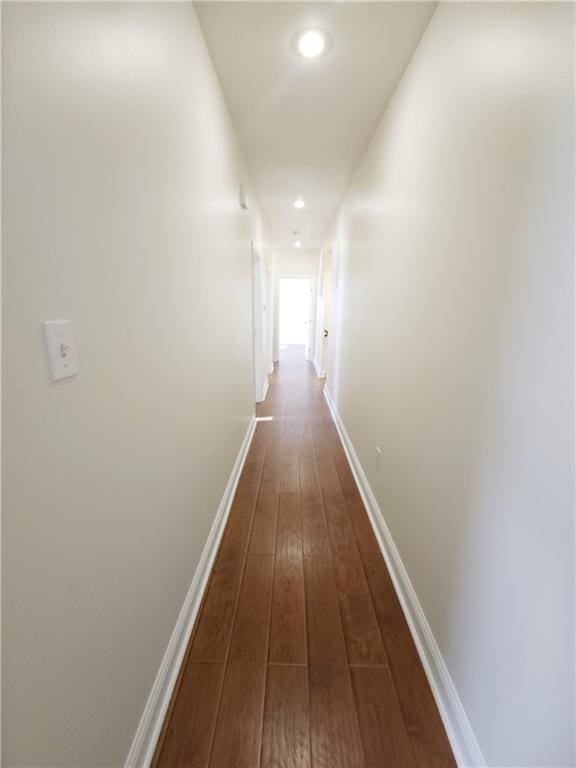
(294,309)
(121,174)
(455,355)
(294,263)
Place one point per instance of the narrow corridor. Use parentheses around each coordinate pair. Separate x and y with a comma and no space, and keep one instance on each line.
(378,194)
(301,655)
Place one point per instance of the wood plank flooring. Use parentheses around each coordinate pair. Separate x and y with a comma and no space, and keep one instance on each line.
(301,656)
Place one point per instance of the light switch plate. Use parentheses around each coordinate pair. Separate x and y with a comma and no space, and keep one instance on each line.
(61,349)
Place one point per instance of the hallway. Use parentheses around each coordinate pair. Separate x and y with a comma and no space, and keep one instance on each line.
(301,655)
(360,556)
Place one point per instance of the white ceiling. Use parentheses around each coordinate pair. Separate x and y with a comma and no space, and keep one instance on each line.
(304,124)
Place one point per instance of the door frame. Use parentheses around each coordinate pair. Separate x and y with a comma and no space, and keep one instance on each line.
(309,347)
(258,326)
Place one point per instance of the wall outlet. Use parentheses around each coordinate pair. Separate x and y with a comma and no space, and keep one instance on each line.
(377,458)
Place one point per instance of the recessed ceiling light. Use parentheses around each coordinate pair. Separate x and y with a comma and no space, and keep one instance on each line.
(297,244)
(311,43)
(299,203)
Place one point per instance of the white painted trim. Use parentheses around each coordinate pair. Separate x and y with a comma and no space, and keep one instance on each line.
(275,359)
(458,728)
(144,743)
(264,389)
(319,372)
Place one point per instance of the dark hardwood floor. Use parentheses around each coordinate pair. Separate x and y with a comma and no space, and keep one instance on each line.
(301,656)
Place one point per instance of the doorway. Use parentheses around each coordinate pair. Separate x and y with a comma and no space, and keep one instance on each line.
(259,326)
(323,322)
(294,313)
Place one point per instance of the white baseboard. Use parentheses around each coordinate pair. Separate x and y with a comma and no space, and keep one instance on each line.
(319,372)
(458,728)
(264,390)
(144,743)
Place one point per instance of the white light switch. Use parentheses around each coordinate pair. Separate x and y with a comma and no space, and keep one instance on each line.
(61,349)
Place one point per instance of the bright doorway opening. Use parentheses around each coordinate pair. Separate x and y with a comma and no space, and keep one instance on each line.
(294,312)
